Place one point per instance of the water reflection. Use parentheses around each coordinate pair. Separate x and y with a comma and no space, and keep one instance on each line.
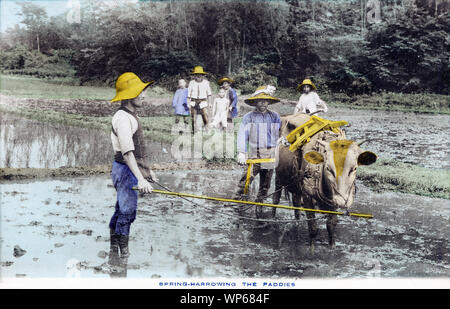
(26,143)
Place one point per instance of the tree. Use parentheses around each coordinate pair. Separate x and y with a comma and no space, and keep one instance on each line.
(34,18)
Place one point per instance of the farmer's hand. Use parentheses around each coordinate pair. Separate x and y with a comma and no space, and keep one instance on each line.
(241,158)
(144,186)
(186,108)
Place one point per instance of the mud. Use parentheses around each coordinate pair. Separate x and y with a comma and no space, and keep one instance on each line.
(63,226)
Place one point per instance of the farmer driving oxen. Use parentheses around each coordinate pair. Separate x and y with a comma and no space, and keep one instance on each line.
(257,139)
(130,167)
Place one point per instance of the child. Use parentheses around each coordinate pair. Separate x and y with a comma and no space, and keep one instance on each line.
(226,82)
(179,102)
(309,100)
(220,109)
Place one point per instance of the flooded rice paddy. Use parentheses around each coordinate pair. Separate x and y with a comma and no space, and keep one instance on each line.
(26,143)
(64,222)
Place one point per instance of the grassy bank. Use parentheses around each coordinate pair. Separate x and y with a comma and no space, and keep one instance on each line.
(42,173)
(32,87)
(391,101)
(392,175)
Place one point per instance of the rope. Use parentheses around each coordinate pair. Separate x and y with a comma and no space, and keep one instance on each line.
(179,194)
(236,216)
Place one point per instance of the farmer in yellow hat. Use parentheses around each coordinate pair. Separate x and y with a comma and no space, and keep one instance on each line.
(257,139)
(199,96)
(130,167)
(309,102)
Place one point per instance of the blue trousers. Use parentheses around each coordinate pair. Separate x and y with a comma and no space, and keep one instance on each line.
(126,205)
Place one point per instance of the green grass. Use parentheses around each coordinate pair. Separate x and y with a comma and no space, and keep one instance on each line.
(411,102)
(391,101)
(392,175)
(60,88)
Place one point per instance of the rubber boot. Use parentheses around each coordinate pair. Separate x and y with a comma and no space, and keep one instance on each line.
(113,259)
(124,253)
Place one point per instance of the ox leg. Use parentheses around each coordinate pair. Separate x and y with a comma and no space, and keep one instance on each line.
(296,201)
(312,229)
(312,225)
(331,226)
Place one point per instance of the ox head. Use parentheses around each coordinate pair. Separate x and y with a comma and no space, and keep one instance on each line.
(338,166)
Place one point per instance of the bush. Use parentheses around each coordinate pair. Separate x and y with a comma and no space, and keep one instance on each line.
(247,80)
(347,81)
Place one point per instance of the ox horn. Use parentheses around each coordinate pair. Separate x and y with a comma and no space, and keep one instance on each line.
(362,142)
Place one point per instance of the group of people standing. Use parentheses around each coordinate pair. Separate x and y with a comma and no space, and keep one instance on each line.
(195,99)
(257,138)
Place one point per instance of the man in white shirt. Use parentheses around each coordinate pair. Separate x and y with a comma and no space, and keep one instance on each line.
(130,167)
(309,102)
(199,96)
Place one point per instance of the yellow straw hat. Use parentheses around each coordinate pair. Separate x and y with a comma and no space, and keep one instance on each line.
(306,82)
(262,93)
(225,79)
(198,70)
(129,86)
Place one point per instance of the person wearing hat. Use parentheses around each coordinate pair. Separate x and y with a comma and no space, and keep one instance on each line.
(226,82)
(309,101)
(179,102)
(130,167)
(199,96)
(257,139)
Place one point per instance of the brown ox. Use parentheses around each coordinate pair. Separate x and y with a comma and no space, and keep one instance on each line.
(321,173)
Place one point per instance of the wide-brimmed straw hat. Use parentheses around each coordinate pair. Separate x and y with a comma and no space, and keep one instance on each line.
(225,79)
(262,93)
(129,86)
(306,82)
(198,70)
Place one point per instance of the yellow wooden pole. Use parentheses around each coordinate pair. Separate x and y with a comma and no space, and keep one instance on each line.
(219,199)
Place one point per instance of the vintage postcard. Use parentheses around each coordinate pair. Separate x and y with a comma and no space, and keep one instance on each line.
(224,144)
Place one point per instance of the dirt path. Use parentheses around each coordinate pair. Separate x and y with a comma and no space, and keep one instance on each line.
(62,224)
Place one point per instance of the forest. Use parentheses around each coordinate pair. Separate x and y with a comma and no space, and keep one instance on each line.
(349,46)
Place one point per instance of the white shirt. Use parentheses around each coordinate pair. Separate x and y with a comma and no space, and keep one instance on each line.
(220,111)
(310,101)
(125,125)
(199,90)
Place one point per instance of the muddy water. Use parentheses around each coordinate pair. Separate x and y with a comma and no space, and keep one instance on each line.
(26,143)
(63,226)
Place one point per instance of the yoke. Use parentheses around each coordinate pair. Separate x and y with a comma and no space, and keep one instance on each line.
(302,134)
